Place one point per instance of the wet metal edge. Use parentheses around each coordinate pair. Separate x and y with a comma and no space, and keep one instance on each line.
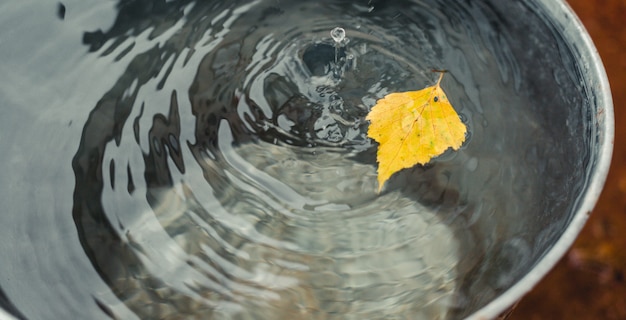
(575,33)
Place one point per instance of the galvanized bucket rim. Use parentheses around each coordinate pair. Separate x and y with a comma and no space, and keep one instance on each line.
(5,316)
(575,32)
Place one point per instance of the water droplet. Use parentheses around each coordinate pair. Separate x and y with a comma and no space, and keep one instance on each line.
(338,34)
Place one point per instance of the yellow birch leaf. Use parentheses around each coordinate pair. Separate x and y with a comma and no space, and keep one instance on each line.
(413,127)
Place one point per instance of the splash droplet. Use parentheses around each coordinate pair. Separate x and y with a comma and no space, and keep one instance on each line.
(338,34)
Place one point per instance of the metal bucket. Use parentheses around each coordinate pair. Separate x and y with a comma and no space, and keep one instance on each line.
(599,109)
(572,112)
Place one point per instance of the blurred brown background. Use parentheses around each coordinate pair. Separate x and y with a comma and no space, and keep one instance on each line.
(588,283)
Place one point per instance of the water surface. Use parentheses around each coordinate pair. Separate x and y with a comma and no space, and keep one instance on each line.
(207,159)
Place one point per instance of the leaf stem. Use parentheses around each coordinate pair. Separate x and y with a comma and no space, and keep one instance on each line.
(441,73)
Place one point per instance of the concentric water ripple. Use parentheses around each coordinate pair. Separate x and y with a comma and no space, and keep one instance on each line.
(227,172)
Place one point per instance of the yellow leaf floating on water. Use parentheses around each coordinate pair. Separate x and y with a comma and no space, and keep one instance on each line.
(413,127)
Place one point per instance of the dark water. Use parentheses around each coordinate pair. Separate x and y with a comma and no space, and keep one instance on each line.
(209,159)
